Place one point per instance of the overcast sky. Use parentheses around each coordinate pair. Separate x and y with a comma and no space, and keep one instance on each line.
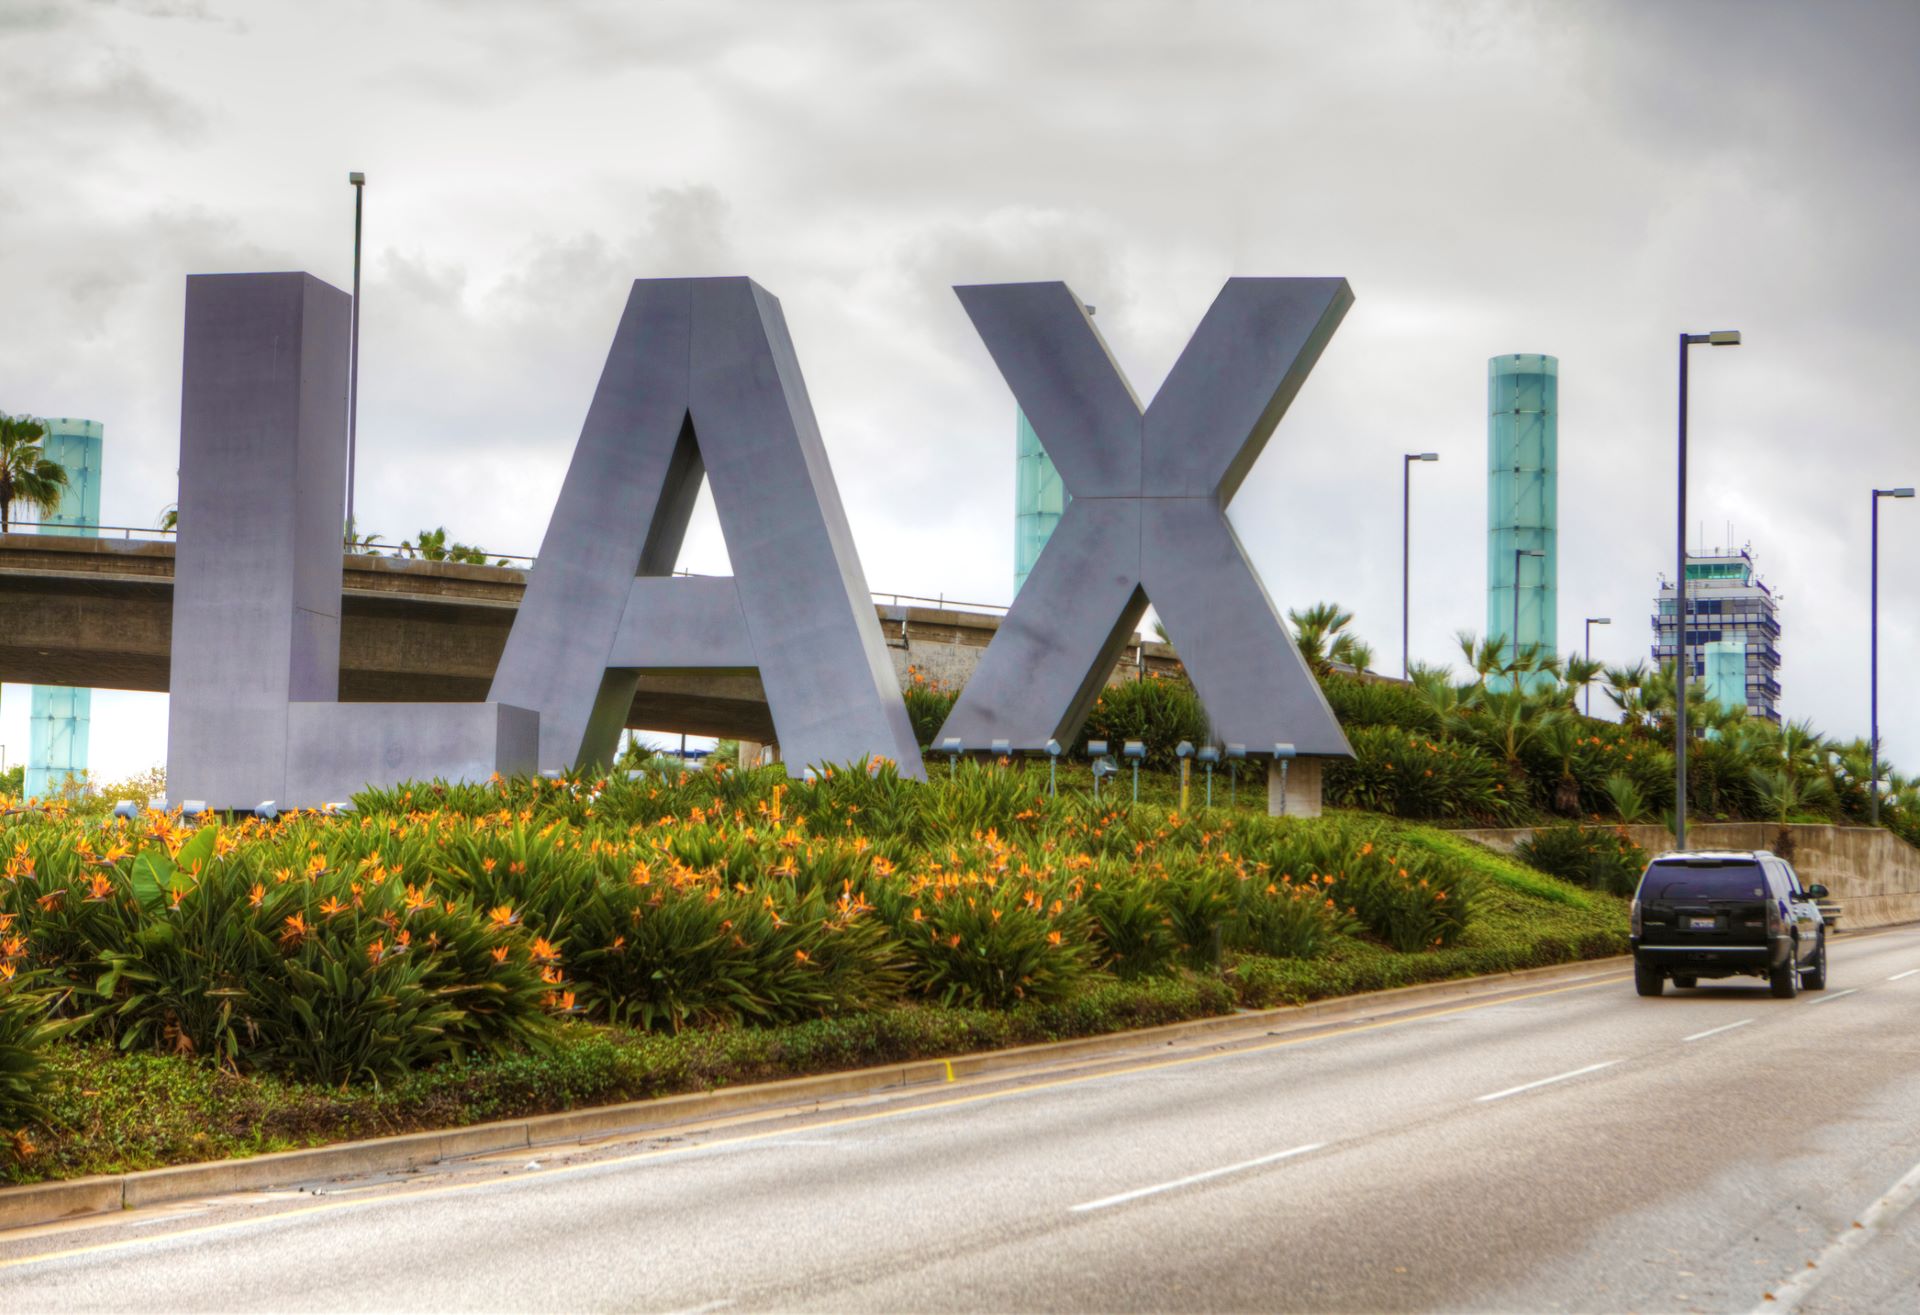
(1585,180)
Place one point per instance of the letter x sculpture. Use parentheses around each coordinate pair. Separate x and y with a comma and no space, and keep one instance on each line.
(1147,520)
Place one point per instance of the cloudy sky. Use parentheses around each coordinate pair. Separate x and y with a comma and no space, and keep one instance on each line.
(1586,180)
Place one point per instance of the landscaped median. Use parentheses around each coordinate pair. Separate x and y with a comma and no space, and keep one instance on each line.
(448,956)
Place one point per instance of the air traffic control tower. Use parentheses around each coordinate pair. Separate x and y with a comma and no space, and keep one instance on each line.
(1523,474)
(62,717)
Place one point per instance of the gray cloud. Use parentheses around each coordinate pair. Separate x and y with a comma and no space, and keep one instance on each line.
(1492,177)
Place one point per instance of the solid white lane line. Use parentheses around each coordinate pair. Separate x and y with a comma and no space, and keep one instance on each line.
(1191,1179)
(1789,1295)
(1908,973)
(1559,1077)
(1716,1031)
(1836,995)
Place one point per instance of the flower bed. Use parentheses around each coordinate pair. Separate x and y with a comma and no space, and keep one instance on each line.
(443,926)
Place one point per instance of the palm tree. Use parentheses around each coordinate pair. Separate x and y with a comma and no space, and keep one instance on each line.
(1562,738)
(1579,672)
(1514,718)
(1486,657)
(26,474)
(428,545)
(1318,632)
(1624,688)
(170,517)
(1785,794)
(357,543)
(1628,802)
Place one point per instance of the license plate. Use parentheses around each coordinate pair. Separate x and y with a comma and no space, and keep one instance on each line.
(1700,924)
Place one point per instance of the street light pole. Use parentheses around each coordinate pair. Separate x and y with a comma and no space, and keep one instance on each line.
(359,184)
(1873,681)
(1406,523)
(1718,338)
(1593,621)
(1514,637)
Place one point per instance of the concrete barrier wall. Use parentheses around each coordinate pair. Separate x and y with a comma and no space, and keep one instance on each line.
(1872,874)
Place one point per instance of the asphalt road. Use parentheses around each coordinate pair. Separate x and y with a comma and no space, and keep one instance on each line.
(1561,1147)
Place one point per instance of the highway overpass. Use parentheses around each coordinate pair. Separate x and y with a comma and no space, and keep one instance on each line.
(98,612)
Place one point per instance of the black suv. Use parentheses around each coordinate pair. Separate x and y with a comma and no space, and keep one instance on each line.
(1727,914)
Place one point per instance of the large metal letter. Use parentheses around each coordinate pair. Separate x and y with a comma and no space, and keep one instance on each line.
(703,381)
(257,574)
(1148,516)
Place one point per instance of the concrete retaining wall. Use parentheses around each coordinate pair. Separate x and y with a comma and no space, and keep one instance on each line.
(1872,874)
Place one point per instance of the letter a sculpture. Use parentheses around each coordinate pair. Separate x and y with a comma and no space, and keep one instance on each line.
(703,381)
(1147,520)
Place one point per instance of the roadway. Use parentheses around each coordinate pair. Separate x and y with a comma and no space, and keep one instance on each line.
(1561,1145)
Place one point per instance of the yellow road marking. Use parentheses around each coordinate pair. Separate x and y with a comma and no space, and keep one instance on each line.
(233,1225)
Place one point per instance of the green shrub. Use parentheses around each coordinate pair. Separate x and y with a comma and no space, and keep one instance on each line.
(1410,775)
(1134,932)
(928,704)
(1597,857)
(1159,711)
(993,945)
(25,1033)
(1359,702)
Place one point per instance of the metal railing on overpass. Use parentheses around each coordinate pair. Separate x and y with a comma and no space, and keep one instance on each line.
(405,552)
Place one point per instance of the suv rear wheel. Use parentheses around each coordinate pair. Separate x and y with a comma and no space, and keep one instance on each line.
(1785,977)
(1648,979)
(1814,977)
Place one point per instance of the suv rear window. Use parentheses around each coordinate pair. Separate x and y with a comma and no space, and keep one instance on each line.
(1691,881)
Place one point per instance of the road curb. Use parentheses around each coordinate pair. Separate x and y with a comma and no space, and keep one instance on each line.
(45,1203)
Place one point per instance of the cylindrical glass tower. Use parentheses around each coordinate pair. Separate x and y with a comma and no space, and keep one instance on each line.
(1039,498)
(62,716)
(1523,469)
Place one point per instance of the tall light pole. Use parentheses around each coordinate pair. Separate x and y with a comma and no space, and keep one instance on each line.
(1514,636)
(1873,681)
(1718,338)
(1593,621)
(359,184)
(1406,523)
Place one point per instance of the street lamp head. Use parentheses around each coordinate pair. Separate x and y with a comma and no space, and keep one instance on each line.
(1429,456)
(357,179)
(1896,493)
(1724,338)
(1599,620)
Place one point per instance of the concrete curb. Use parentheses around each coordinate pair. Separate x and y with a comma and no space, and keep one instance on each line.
(45,1203)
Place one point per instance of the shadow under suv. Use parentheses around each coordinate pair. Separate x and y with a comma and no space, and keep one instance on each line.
(1727,914)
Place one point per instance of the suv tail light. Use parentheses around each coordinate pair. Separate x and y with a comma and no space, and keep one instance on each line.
(1775,924)
(1633,915)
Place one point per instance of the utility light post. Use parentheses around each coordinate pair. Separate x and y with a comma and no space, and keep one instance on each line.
(1406,558)
(1718,338)
(359,183)
(1514,636)
(1593,621)
(1873,680)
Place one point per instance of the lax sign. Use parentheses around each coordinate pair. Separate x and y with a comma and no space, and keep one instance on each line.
(703,383)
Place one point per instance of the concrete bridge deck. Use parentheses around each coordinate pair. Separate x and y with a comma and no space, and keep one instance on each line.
(99,613)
